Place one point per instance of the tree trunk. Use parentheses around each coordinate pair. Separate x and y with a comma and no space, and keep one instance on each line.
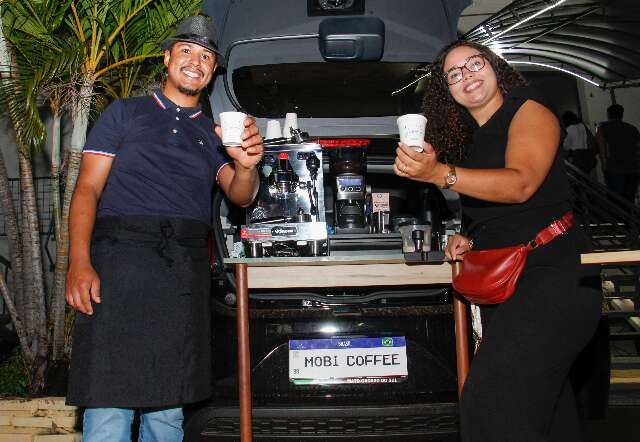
(36,382)
(56,303)
(16,320)
(35,365)
(13,235)
(80,116)
(6,199)
(55,172)
(35,312)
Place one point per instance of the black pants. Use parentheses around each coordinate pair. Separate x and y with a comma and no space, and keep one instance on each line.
(518,388)
(583,159)
(624,184)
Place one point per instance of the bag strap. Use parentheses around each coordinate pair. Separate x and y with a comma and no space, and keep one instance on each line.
(556,228)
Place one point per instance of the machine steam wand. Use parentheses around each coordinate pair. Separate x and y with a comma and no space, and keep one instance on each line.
(313,164)
(313,208)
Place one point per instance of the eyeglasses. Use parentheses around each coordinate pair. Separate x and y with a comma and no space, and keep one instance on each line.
(472,64)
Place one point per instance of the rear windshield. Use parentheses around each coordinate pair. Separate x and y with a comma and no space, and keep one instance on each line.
(327,90)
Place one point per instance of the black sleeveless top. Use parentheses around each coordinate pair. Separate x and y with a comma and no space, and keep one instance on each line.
(491,224)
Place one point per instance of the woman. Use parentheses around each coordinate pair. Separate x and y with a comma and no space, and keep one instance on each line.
(577,142)
(495,142)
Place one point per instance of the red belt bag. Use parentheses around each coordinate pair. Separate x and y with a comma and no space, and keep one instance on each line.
(490,276)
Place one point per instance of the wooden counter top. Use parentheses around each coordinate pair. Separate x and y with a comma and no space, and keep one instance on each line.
(341,271)
(372,270)
(624,257)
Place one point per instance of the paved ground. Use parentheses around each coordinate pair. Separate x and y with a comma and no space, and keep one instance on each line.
(621,425)
(622,422)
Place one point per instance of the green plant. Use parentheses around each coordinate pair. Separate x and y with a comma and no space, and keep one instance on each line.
(12,376)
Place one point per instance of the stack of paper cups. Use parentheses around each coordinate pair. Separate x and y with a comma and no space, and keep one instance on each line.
(273,129)
(290,122)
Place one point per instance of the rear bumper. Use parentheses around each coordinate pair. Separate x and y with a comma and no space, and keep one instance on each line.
(419,422)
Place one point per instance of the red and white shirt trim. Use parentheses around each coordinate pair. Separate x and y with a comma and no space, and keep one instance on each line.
(220,170)
(99,152)
(159,101)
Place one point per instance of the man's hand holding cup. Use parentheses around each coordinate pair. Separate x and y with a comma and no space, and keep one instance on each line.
(241,137)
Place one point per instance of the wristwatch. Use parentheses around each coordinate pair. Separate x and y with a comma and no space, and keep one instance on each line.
(450,178)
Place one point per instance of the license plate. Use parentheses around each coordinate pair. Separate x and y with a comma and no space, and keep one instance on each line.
(380,360)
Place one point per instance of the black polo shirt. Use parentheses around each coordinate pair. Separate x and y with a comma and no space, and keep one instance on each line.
(166,158)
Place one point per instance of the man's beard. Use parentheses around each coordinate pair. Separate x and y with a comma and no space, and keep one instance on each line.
(189,92)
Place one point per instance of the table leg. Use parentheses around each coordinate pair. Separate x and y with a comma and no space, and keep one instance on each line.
(462,335)
(244,359)
(462,341)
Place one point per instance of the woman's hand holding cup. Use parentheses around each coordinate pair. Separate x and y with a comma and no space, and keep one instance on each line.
(417,165)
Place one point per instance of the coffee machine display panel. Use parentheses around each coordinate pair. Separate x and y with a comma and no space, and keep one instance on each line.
(350,184)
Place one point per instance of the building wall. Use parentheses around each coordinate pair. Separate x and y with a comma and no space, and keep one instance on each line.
(41,159)
(560,89)
(587,101)
(594,102)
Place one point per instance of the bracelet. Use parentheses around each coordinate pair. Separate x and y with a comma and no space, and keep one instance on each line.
(470,244)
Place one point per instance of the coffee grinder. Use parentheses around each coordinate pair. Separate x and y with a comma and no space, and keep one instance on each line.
(348,164)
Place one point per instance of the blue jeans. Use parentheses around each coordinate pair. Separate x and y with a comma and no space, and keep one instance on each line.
(114,425)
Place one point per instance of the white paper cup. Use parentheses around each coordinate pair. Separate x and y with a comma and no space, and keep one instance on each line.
(411,128)
(290,122)
(232,127)
(273,130)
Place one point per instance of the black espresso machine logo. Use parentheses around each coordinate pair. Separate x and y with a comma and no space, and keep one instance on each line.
(284,231)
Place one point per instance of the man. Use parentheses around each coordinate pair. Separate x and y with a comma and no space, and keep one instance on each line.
(618,146)
(578,142)
(138,268)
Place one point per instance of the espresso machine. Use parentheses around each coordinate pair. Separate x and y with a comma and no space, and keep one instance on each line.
(287,217)
(348,164)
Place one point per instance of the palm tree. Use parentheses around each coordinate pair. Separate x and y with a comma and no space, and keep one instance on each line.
(68,53)
(19,92)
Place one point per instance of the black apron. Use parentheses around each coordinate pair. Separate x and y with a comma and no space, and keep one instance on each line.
(148,343)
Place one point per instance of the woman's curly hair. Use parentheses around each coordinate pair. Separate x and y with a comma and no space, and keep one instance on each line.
(450,126)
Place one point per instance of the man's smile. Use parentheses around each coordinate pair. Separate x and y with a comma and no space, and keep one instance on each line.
(192,73)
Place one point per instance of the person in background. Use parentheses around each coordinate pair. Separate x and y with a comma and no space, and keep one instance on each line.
(495,141)
(139,274)
(618,146)
(577,143)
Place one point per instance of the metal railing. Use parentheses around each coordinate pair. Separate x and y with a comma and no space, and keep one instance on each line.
(45,217)
(44,201)
(612,222)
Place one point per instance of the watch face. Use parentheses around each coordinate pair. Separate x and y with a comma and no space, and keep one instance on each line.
(450,179)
